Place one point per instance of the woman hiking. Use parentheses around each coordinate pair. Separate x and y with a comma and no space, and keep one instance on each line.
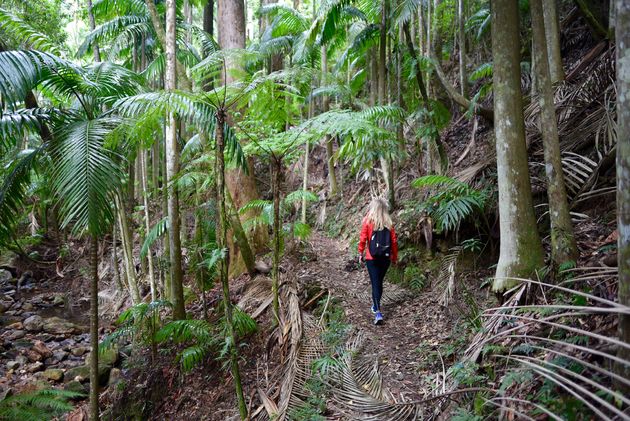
(378,241)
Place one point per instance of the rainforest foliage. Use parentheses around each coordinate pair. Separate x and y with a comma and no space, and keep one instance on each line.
(197,170)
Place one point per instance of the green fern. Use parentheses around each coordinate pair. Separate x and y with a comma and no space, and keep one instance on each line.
(37,406)
(452,203)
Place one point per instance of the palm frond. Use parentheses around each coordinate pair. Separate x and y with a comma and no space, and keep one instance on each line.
(23,33)
(110,30)
(22,71)
(158,230)
(14,125)
(14,189)
(86,174)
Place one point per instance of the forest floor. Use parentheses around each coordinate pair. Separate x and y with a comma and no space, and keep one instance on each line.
(417,328)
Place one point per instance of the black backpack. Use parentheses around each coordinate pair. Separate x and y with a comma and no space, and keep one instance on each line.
(381,244)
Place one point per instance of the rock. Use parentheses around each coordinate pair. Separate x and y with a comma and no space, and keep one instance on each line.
(53,374)
(16,326)
(42,349)
(5,276)
(58,300)
(13,365)
(82,372)
(34,324)
(58,356)
(33,356)
(28,307)
(107,357)
(115,376)
(35,367)
(79,350)
(74,386)
(16,334)
(57,325)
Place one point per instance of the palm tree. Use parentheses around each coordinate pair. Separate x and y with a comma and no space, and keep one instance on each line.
(83,172)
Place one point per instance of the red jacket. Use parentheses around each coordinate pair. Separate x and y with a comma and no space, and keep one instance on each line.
(364,239)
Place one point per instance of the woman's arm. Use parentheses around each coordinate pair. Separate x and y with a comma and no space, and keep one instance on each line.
(363,238)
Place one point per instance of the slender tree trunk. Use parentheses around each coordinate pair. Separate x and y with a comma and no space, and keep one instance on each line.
(240,235)
(622,28)
(563,245)
(127,244)
(521,252)
(166,242)
(224,264)
(275,271)
(95,49)
(330,157)
(115,266)
(386,161)
(552,37)
(172,168)
(155,167)
(147,218)
(94,413)
(208,18)
(461,36)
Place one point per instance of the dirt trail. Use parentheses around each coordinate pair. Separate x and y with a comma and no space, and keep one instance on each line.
(415,323)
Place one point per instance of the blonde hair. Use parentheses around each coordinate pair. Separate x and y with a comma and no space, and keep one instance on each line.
(378,214)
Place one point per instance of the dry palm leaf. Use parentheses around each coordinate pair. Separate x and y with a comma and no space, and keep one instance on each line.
(357,388)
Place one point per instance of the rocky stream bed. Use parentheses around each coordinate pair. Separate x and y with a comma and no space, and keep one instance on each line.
(44,339)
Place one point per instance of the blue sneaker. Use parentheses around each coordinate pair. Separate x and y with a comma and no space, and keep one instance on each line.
(373,309)
(379,318)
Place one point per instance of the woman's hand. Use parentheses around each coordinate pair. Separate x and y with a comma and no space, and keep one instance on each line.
(361,259)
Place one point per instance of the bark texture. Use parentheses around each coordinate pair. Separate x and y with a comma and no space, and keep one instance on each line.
(622,28)
(552,36)
(231,29)
(330,158)
(521,252)
(95,49)
(563,245)
(461,37)
(172,168)
(224,264)
(94,413)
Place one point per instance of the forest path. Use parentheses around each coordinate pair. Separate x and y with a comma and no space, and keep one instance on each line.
(406,344)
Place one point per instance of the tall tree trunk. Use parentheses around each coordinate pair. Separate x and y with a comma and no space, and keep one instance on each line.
(552,37)
(461,37)
(386,161)
(160,33)
(563,245)
(115,266)
(275,271)
(208,18)
(223,265)
(95,49)
(127,245)
(172,168)
(239,234)
(147,218)
(330,158)
(94,413)
(622,28)
(521,252)
(231,28)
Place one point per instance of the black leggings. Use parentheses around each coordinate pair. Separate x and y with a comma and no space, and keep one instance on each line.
(377,270)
